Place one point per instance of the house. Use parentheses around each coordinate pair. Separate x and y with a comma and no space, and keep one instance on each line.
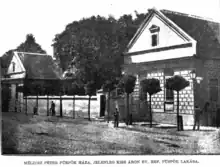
(169,43)
(18,68)
(24,69)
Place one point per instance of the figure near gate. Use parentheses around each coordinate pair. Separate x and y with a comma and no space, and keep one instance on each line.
(198,113)
(52,108)
(116,118)
(197,116)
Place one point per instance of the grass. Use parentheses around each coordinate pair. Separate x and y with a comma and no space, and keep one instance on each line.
(33,135)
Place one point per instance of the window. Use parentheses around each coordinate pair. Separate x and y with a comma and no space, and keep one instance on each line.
(154,30)
(213,89)
(169,95)
(169,99)
(154,40)
(13,66)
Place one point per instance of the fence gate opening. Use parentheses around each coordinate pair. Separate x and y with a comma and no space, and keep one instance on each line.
(102,105)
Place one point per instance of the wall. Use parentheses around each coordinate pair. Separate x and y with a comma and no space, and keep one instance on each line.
(186,99)
(167,39)
(211,70)
(139,110)
(167,36)
(18,65)
(156,70)
(163,55)
(81,106)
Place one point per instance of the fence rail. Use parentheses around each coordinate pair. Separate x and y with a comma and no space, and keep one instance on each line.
(58,98)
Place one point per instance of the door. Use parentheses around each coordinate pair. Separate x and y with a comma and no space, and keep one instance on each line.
(102,105)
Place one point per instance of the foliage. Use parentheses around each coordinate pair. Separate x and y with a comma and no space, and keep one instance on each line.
(95,44)
(127,83)
(42,87)
(176,83)
(151,86)
(72,88)
(30,45)
(90,88)
(111,84)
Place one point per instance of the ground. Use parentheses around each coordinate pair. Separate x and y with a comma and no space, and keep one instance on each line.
(30,134)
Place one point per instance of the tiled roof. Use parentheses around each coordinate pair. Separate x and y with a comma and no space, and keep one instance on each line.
(39,66)
(205,31)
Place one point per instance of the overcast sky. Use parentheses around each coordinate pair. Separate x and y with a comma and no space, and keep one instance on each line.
(45,18)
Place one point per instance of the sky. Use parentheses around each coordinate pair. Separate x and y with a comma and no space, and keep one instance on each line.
(45,18)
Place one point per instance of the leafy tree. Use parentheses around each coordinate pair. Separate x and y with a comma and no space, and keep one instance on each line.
(127,83)
(177,83)
(95,44)
(90,89)
(96,38)
(150,86)
(109,86)
(30,45)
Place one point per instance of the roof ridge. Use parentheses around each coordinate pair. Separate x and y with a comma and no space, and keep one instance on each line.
(190,15)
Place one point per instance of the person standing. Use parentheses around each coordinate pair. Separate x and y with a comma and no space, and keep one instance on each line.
(197,114)
(52,108)
(116,117)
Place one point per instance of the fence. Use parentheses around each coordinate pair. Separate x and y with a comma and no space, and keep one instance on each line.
(72,106)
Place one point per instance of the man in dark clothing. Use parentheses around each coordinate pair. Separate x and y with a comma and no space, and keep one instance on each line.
(197,114)
(116,116)
(52,108)
(35,110)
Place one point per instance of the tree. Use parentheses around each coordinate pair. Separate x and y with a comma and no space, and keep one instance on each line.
(177,83)
(103,37)
(150,86)
(90,89)
(127,83)
(109,86)
(30,45)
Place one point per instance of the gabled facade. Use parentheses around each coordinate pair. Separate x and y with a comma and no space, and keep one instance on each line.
(22,67)
(165,45)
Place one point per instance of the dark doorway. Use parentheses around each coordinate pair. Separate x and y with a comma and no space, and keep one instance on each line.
(6,95)
(102,105)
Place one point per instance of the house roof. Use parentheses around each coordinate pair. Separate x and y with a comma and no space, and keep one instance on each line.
(205,31)
(39,66)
